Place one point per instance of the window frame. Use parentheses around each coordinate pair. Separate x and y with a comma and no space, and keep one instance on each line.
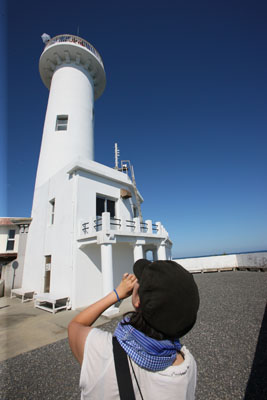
(11,240)
(62,122)
(47,273)
(52,203)
(106,199)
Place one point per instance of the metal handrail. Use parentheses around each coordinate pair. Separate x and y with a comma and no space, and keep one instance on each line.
(85,227)
(144,227)
(130,223)
(97,222)
(115,223)
(155,228)
(77,40)
(143,224)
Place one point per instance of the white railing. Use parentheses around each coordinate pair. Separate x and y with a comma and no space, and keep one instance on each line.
(76,40)
(91,226)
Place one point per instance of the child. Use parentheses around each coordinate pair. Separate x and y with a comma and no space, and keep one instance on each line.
(166,301)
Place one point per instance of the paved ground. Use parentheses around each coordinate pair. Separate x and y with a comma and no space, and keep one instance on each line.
(24,328)
(229,343)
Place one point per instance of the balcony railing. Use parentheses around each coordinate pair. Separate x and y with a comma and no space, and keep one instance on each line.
(76,40)
(91,226)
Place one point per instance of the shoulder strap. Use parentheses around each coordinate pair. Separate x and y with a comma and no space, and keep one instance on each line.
(122,372)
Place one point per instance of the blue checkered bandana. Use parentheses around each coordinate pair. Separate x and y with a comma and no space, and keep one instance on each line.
(148,353)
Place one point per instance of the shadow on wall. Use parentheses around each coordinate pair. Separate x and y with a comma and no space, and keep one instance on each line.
(257,385)
(252,260)
(93,253)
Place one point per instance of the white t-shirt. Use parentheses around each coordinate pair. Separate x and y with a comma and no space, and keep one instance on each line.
(98,377)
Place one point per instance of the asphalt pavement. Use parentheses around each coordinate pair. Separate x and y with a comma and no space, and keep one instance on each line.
(229,343)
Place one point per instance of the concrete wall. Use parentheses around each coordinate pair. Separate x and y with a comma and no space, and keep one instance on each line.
(8,273)
(87,276)
(90,185)
(123,260)
(55,239)
(252,260)
(75,273)
(87,279)
(224,261)
(71,93)
(7,277)
(23,236)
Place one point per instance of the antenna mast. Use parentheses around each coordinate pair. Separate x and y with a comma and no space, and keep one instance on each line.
(117,154)
(136,195)
(125,167)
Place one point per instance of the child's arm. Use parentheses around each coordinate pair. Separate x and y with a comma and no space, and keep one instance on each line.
(80,326)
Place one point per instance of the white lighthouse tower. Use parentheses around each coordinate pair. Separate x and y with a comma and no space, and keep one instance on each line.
(73,71)
(86,228)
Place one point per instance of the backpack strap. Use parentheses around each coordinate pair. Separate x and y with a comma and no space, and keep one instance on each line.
(122,371)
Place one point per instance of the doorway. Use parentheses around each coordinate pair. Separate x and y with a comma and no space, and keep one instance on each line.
(47,274)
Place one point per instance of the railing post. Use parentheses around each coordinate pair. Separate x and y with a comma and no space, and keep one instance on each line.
(107,267)
(123,227)
(137,227)
(159,227)
(138,252)
(149,226)
(105,221)
(91,224)
(161,252)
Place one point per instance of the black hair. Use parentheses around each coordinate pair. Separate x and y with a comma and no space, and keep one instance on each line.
(136,319)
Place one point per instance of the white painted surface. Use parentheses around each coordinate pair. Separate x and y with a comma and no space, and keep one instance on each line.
(74,74)
(162,253)
(71,94)
(88,283)
(55,239)
(107,267)
(138,252)
(76,265)
(68,49)
(85,264)
(123,261)
(224,261)
(8,274)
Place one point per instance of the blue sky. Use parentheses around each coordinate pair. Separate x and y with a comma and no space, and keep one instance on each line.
(186,100)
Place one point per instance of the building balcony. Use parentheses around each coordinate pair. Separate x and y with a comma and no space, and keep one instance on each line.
(75,51)
(75,40)
(95,230)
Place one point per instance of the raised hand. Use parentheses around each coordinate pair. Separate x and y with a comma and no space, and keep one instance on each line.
(125,288)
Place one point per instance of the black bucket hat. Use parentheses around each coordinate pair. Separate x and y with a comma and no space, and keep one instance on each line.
(169,298)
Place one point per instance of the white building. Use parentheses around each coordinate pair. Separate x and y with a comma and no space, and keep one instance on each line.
(85,231)
(13,237)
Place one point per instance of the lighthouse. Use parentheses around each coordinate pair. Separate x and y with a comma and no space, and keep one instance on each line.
(87,228)
(73,71)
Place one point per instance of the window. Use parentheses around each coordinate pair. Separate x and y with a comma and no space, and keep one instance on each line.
(47,274)
(62,122)
(52,211)
(10,240)
(105,205)
(135,212)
